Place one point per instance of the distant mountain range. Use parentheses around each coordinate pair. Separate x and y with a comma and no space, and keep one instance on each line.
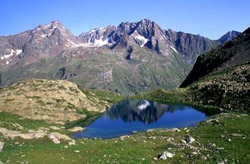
(129,58)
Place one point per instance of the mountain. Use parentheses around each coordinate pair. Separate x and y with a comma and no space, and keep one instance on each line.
(229,54)
(147,33)
(228,36)
(44,41)
(221,77)
(129,58)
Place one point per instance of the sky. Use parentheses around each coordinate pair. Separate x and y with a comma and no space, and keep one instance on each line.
(209,18)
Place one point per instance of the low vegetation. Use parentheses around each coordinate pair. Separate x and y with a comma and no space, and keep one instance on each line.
(53,101)
(224,137)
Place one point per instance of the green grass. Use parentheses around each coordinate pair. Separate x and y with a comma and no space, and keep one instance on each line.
(7,118)
(83,122)
(175,96)
(139,148)
(110,97)
(238,148)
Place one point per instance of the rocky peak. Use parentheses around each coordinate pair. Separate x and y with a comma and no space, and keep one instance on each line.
(44,40)
(46,30)
(126,33)
(228,36)
(125,28)
(190,45)
(144,33)
(147,28)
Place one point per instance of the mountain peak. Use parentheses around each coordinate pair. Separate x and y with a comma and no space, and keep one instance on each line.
(228,36)
(146,21)
(46,30)
(56,22)
(51,25)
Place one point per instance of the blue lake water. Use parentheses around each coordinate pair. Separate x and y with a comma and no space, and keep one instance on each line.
(140,115)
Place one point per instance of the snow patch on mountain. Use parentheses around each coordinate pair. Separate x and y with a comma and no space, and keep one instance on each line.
(100,42)
(173,49)
(8,54)
(96,43)
(142,39)
(43,35)
(11,53)
(92,30)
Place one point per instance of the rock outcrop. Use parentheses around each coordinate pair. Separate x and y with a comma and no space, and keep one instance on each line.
(1,146)
(54,136)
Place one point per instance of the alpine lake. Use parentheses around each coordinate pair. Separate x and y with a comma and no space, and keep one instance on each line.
(130,115)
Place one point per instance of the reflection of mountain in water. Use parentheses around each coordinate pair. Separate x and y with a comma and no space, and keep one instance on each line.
(145,111)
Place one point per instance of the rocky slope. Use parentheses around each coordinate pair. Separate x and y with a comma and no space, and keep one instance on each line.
(189,45)
(228,89)
(221,77)
(129,58)
(53,101)
(43,41)
(227,55)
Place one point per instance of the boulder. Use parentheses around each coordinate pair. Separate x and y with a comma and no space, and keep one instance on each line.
(189,139)
(54,128)
(237,135)
(72,143)
(56,137)
(123,137)
(76,129)
(1,146)
(165,155)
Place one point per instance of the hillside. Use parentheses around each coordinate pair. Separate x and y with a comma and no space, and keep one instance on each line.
(53,101)
(228,89)
(227,55)
(219,79)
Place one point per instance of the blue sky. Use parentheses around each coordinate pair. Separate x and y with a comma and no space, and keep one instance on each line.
(210,18)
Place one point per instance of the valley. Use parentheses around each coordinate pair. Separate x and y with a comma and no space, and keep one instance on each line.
(55,86)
